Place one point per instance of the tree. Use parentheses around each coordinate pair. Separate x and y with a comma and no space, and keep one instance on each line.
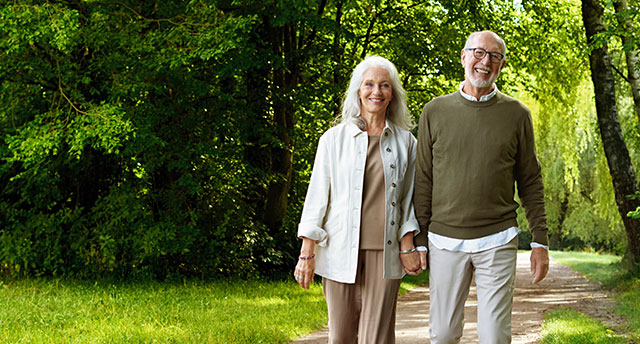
(620,167)
(632,53)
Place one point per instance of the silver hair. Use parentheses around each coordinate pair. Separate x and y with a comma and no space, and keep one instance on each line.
(498,38)
(397,111)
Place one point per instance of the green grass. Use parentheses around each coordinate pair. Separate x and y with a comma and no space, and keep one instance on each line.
(63,311)
(411,282)
(53,311)
(607,270)
(564,326)
(598,267)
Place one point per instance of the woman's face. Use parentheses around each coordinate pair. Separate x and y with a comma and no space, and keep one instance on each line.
(375,91)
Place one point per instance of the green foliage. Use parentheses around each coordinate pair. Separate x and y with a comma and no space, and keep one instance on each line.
(146,138)
(636,213)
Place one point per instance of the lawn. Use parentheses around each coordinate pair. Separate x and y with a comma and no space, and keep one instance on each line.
(566,326)
(63,311)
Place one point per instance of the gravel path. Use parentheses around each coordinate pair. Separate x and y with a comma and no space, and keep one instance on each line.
(561,287)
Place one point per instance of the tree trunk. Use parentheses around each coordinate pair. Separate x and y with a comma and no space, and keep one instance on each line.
(618,160)
(632,55)
(284,80)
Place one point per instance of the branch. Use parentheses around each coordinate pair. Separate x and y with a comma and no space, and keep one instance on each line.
(365,45)
(167,20)
(313,33)
(620,73)
(62,92)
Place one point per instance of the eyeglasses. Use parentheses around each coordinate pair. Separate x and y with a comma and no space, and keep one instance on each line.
(479,53)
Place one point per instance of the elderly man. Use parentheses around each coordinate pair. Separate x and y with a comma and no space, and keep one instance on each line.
(473,145)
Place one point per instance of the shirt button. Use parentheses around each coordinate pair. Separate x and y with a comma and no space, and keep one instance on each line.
(393,203)
(393,165)
(389,242)
(393,184)
(393,222)
(388,149)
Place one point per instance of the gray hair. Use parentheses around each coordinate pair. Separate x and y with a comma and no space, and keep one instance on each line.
(397,112)
(498,38)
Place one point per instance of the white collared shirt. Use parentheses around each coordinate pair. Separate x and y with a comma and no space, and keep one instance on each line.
(483,98)
(332,208)
(487,242)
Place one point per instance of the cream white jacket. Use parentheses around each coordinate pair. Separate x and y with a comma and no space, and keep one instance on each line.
(332,208)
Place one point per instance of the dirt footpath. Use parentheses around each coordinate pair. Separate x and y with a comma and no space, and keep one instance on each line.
(561,287)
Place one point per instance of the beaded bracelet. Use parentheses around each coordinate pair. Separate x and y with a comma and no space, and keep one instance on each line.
(408,251)
(307,257)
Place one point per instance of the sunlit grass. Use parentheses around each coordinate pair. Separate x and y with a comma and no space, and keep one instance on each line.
(52,311)
(411,282)
(595,266)
(564,326)
(607,270)
(62,311)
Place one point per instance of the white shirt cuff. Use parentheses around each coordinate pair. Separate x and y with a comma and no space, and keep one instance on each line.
(535,244)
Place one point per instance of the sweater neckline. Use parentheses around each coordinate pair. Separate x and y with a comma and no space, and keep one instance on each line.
(468,102)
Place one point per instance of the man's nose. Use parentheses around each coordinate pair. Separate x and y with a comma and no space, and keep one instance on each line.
(486,56)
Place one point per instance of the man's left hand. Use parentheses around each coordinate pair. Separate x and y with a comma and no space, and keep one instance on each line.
(539,263)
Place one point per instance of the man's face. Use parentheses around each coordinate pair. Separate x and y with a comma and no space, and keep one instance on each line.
(482,73)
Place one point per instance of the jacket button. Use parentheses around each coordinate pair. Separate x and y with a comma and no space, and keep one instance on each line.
(386,134)
(389,242)
(393,165)
(393,222)
(393,184)
(393,203)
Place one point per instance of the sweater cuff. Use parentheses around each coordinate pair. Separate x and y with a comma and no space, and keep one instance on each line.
(540,236)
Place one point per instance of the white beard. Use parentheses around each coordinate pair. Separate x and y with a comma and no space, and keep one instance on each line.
(479,83)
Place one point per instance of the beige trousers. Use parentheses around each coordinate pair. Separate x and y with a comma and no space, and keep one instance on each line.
(450,277)
(363,312)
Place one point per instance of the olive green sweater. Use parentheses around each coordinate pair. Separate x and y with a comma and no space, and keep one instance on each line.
(469,156)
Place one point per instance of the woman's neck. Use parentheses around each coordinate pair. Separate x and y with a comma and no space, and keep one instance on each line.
(375,123)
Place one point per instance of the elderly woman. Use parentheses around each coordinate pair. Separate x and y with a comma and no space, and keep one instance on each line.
(358,221)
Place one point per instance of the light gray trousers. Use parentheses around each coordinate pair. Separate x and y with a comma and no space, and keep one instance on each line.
(450,277)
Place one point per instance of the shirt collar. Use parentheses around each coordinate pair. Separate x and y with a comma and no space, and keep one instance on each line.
(483,98)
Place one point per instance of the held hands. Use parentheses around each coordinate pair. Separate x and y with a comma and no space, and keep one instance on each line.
(539,263)
(410,258)
(411,262)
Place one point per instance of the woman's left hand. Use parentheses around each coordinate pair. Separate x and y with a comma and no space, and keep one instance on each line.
(304,272)
(306,266)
